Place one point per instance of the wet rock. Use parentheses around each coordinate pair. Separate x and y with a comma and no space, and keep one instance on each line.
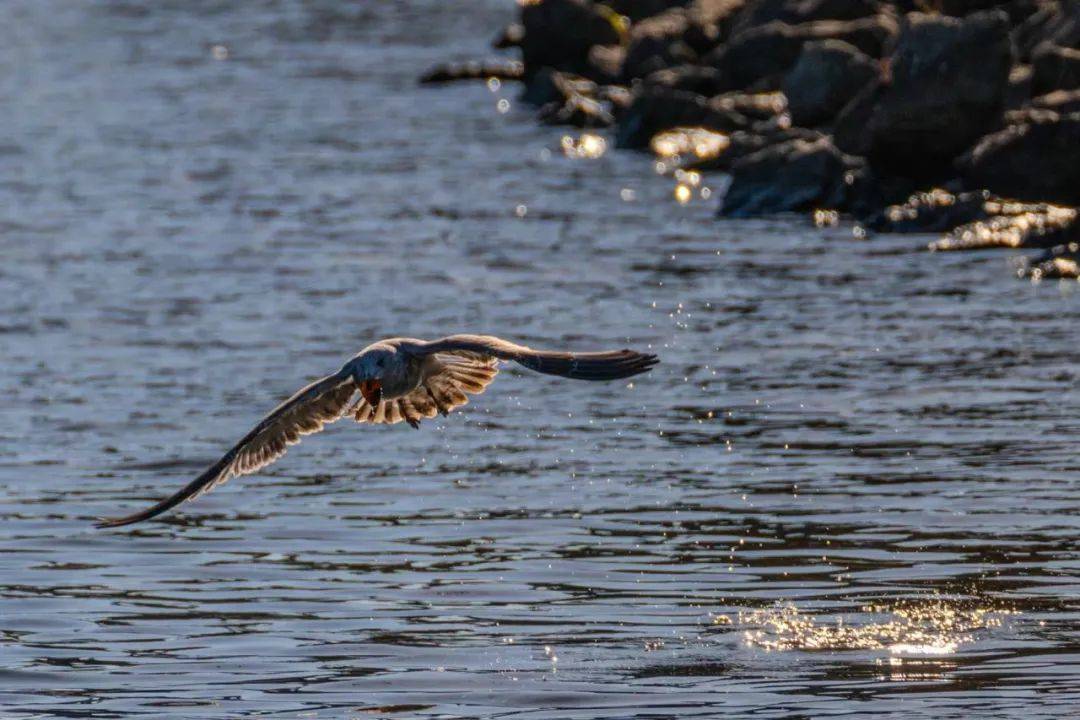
(1054,68)
(826,76)
(850,129)
(710,23)
(577,110)
(691,78)
(656,108)
(560,33)
(1054,22)
(1017,10)
(550,86)
(657,43)
(794,176)
(637,10)
(795,12)
(605,63)
(1011,224)
(473,70)
(1061,262)
(742,143)
(1062,102)
(510,37)
(1036,158)
(759,58)
(1019,90)
(936,210)
(948,85)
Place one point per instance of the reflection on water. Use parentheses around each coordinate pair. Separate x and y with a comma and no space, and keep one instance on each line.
(937,627)
(839,428)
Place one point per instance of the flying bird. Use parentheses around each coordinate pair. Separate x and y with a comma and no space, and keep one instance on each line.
(392,381)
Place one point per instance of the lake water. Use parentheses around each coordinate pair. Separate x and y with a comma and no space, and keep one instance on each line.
(850,488)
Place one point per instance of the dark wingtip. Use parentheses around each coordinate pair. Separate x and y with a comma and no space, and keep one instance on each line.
(102,523)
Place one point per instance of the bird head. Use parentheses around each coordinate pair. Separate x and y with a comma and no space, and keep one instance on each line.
(368,370)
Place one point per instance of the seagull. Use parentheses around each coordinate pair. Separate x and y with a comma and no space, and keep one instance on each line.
(394,380)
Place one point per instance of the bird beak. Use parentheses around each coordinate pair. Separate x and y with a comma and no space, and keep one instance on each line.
(372,392)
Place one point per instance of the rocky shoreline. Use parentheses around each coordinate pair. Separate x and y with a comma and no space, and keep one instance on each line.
(959,117)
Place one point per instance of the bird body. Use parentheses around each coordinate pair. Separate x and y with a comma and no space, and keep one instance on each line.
(391,381)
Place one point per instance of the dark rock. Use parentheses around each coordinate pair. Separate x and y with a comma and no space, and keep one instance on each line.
(794,176)
(657,43)
(578,111)
(637,10)
(1011,224)
(605,63)
(1037,159)
(933,211)
(1054,22)
(795,12)
(550,86)
(1062,102)
(948,85)
(850,131)
(1054,68)
(759,58)
(656,108)
(826,76)
(742,143)
(560,33)
(692,78)
(1058,262)
(510,37)
(710,23)
(473,70)
(1019,90)
(1017,10)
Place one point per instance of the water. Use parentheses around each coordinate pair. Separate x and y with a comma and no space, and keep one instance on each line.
(850,487)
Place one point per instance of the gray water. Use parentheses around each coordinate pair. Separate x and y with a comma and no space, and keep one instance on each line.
(850,488)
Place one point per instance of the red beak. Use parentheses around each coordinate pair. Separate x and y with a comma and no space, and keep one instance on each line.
(372,392)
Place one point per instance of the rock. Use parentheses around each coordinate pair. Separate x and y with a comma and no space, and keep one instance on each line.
(1017,10)
(550,86)
(826,76)
(473,70)
(1019,90)
(705,81)
(1059,262)
(936,210)
(577,110)
(1054,22)
(657,43)
(1062,102)
(657,108)
(605,63)
(510,37)
(1011,224)
(710,23)
(1054,68)
(560,33)
(794,176)
(949,79)
(759,58)
(742,143)
(850,129)
(1036,159)
(637,10)
(795,12)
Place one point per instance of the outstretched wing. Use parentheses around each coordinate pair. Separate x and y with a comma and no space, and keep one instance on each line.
(607,365)
(447,382)
(306,412)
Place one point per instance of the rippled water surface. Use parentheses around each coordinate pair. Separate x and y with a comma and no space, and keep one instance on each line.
(850,488)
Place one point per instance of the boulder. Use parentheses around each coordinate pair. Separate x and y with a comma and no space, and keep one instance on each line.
(560,33)
(637,10)
(698,79)
(657,43)
(794,176)
(577,110)
(549,86)
(759,58)
(826,76)
(710,23)
(949,79)
(1035,159)
(1062,102)
(850,129)
(1055,22)
(795,12)
(935,210)
(1054,68)
(657,108)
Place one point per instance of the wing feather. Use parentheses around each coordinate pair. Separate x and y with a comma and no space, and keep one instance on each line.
(306,412)
(606,365)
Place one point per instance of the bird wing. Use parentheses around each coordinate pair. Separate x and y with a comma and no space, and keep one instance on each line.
(306,412)
(606,365)
(447,382)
